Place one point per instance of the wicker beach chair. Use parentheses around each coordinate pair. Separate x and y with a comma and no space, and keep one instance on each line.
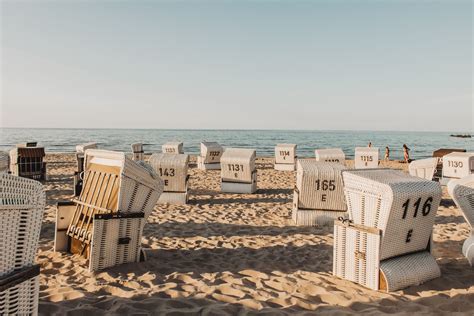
(78,174)
(285,157)
(4,162)
(173,169)
(22,203)
(457,165)
(423,168)
(330,155)
(106,221)
(386,243)
(137,151)
(366,157)
(318,198)
(172,148)
(462,192)
(238,171)
(210,157)
(27,162)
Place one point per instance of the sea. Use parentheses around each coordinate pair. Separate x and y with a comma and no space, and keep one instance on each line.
(421,144)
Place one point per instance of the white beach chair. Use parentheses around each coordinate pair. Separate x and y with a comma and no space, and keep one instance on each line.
(462,192)
(27,162)
(22,203)
(366,158)
(210,157)
(318,198)
(106,221)
(78,174)
(439,154)
(172,148)
(4,161)
(457,165)
(173,169)
(137,151)
(238,171)
(285,157)
(423,168)
(330,155)
(386,243)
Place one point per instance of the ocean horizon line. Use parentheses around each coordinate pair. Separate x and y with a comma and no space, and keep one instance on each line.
(237,129)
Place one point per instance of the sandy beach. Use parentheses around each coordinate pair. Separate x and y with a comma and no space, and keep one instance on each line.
(229,254)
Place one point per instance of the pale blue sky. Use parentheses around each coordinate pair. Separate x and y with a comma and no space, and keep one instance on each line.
(365,65)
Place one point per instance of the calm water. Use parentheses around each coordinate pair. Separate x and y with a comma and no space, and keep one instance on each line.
(422,144)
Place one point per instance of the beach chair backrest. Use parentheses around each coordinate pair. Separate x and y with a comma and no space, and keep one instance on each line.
(462,192)
(211,152)
(330,155)
(423,168)
(28,162)
(4,161)
(285,153)
(458,165)
(22,203)
(319,186)
(172,148)
(238,165)
(173,169)
(137,151)
(401,206)
(366,157)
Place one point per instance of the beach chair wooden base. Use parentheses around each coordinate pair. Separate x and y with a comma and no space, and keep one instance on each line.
(468,249)
(19,292)
(207,166)
(315,217)
(357,259)
(116,240)
(285,167)
(177,198)
(237,187)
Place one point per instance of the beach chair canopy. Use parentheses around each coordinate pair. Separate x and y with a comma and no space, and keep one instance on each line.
(211,152)
(366,157)
(319,185)
(403,207)
(458,165)
(173,169)
(238,165)
(285,153)
(330,155)
(423,168)
(172,148)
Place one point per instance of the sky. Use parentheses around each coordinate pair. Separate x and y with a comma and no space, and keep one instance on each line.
(317,65)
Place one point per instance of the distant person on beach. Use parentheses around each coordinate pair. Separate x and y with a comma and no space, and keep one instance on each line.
(387,153)
(370,144)
(406,154)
